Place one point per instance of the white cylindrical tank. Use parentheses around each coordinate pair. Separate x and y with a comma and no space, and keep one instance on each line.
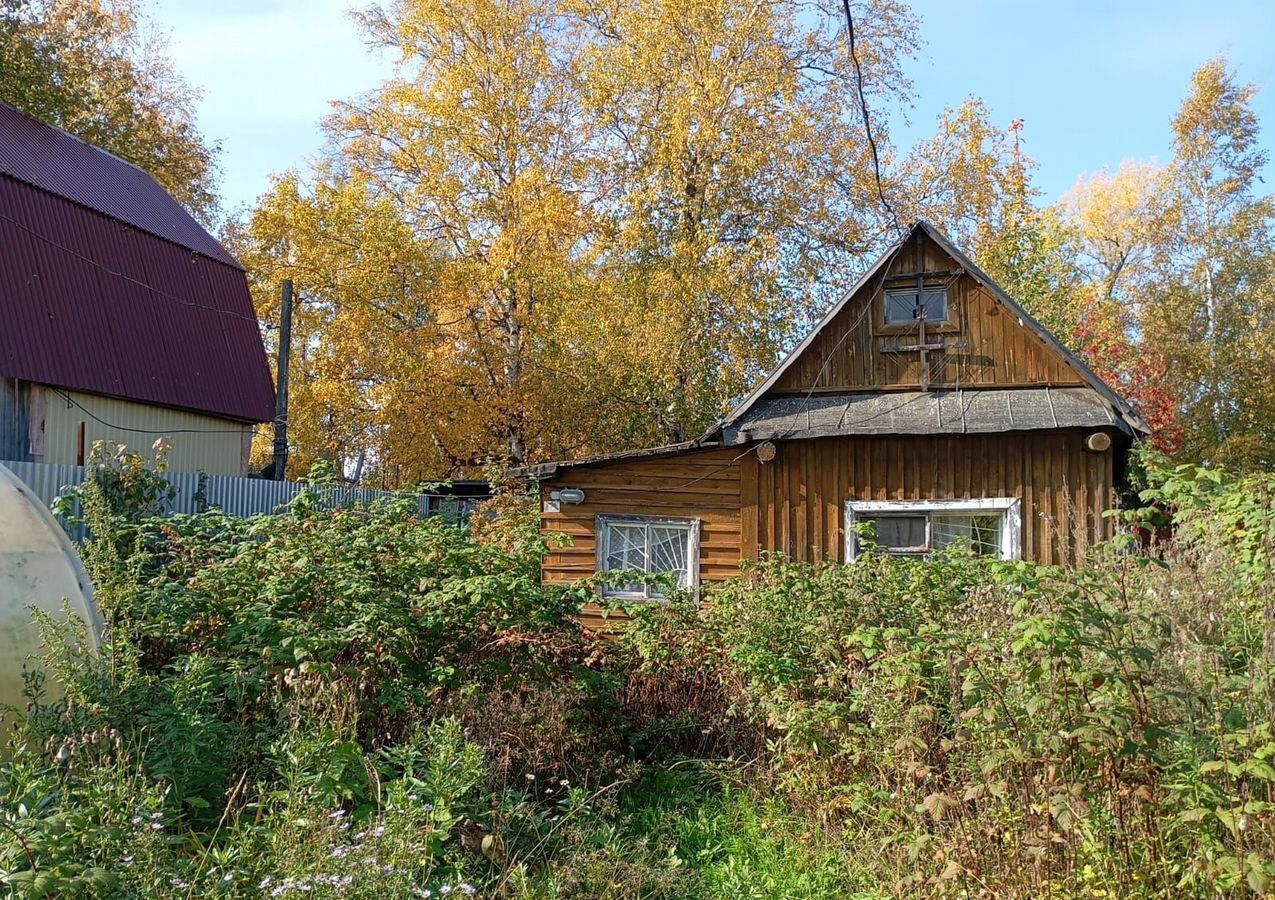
(38,568)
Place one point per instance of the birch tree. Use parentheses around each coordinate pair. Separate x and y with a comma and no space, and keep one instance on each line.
(1212,303)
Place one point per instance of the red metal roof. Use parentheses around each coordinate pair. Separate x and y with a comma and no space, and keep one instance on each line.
(62,164)
(108,286)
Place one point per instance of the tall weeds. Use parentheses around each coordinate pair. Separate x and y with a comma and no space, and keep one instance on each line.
(356,702)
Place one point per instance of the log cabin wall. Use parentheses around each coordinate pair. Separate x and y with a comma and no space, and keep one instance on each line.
(795,503)
(987,345)
(701,485)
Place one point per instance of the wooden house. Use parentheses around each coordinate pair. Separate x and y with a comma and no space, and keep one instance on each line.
(927,401)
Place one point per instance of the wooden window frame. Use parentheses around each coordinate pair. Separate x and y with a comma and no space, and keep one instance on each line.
(1010,510)
(601,551)
(947,326)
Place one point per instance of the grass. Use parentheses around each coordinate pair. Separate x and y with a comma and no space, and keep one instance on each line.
(731,840)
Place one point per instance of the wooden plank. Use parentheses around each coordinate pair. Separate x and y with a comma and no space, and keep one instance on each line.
(800,508)
(749,513)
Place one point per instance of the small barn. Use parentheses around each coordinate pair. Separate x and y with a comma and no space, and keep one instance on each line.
(121,317)
(926,401)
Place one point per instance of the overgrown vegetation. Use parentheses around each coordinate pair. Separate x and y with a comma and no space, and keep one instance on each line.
(358,702)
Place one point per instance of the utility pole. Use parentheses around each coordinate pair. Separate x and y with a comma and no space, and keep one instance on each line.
(281,386)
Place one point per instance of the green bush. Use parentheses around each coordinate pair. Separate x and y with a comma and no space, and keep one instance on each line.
(356,702)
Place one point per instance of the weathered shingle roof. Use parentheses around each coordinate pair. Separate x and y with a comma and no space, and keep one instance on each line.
(108,286)
(922,412)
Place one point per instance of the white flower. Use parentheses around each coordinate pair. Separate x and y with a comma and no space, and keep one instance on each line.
(336,815)
(157,826)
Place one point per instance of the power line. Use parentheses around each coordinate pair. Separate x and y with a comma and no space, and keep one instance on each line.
(158,433)
(867,119)
(128,278)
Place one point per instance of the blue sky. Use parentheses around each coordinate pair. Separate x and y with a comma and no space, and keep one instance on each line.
(1095,82)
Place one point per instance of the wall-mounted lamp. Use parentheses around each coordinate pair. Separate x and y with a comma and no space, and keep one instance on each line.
(766,451)
(568,495)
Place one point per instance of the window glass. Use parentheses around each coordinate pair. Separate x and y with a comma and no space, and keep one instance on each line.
(981,533)
(626,549)
(922,532)
(668,551)
(900,534)
(652,547)
(935,303)
(901,307)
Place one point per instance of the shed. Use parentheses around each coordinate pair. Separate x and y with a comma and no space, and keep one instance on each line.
(926,401)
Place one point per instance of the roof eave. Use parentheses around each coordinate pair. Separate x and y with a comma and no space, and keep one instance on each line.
(542,471)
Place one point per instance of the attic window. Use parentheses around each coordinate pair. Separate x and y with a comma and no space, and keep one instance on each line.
(988,526)
(903,308)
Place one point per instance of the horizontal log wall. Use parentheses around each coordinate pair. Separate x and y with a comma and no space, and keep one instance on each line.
(795,504)
(702,485)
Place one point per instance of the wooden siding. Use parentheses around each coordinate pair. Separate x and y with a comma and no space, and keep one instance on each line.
(701,485)
(795,504)
(800,496)
(987,344)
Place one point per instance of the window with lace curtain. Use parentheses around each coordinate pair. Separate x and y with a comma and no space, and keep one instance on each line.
(651,546)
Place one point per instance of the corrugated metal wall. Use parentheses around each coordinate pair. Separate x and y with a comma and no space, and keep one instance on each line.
(236,496)
(14,423)
(199,443)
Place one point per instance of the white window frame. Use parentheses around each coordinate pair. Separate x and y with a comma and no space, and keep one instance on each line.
(1010,509)
(941,289)
(602,539)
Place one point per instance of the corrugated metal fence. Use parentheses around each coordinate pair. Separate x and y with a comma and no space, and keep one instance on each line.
(195,491)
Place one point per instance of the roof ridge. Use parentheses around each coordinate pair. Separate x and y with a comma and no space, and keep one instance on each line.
(75,137)
(62,164)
